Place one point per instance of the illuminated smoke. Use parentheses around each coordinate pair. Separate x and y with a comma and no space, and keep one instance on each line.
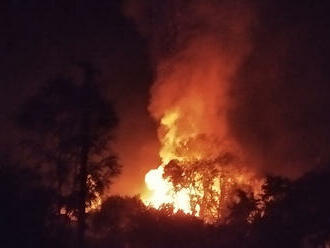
(197,47)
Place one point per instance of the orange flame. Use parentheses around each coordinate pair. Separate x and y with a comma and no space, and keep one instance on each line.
(190,100)
(164,193)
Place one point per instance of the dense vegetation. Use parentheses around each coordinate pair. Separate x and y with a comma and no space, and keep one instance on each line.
(295,214)
(64,163)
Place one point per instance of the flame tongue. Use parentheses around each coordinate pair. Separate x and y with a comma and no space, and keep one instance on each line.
(196,175)
(163,192)
(190,101)
(185,148)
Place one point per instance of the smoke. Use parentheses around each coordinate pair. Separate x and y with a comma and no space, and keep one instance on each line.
(280,96)
(197,48)
(248,74)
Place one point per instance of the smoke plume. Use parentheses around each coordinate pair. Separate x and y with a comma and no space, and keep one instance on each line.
(197,48)
(237,72)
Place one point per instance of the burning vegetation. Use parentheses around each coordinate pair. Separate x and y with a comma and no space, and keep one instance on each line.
(195,177)
(201,164)
(235,130)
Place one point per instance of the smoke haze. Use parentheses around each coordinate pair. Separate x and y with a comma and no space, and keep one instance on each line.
(243,64)
(262,66)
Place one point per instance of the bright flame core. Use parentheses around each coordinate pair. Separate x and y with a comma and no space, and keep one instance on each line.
(190,177)
(190,100)
(162,192)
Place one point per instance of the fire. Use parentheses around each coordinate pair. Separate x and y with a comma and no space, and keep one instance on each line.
(206,195)
(95,203)
(198,172)
(163,192)
(197,49)
(191,158)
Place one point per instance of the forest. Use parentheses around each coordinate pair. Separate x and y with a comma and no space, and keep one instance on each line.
(164,123)
(51,198)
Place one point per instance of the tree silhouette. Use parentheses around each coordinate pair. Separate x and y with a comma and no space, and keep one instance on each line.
(202,176)
(69,125)
(296,213)
(127,222)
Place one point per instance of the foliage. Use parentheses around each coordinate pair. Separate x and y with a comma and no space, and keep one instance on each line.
(55,120)
(298,216)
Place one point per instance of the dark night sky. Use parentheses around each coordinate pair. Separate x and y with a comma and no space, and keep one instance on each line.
(282,90)
(40,39)
(281,93)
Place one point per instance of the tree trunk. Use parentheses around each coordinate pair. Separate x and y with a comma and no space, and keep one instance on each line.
(85,134)
(82,196)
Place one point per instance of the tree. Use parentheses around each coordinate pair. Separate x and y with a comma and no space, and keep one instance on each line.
(206,181)
(295,213)
(69,125)
(127,222)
